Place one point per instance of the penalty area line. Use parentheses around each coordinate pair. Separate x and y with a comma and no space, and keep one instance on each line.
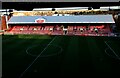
(112,50)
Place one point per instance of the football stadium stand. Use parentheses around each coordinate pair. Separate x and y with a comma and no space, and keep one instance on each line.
(61,22)
(97,25)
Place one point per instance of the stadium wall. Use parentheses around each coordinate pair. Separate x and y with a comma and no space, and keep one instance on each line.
(3,25)
(3,22)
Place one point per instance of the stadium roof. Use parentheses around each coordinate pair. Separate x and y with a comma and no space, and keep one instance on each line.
(61,19)
(64,8)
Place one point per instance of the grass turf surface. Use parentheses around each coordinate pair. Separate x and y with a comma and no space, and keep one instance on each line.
(73,56)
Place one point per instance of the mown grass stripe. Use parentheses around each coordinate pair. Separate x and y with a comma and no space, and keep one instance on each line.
(71,61)
(36,58)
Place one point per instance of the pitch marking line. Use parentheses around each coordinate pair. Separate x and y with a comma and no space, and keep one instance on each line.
(112,50)
(37,57)
(45,55)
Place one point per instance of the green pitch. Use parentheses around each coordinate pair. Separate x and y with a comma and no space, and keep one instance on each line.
(25,56)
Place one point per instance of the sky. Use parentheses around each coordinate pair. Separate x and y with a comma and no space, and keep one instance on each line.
(60,0)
